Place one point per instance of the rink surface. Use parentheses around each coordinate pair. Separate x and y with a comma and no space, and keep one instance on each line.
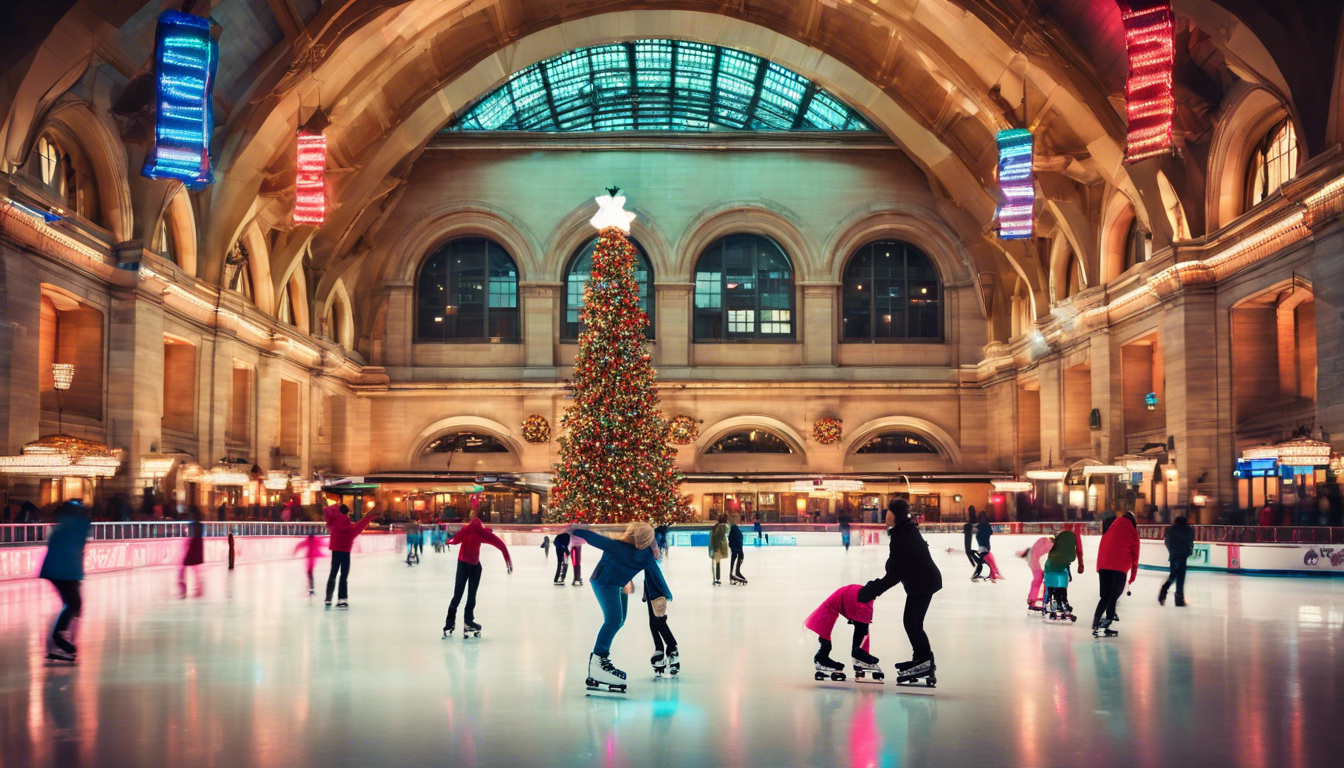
(254,673)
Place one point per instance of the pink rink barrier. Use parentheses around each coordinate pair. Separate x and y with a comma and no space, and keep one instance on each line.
(104,556)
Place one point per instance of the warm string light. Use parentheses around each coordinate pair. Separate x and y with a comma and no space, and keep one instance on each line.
(186,56)
(310,193)
(1017,183)
(1149,101)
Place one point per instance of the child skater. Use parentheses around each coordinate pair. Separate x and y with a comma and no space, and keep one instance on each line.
(665,657)
(622,557)
(561,558)
(1063,551)
(843,602)
(471,537)
(546,547)
(983,532)
(909,562)
(1038,550)
(718,548)
(311,547)
(195,554)
(64,568)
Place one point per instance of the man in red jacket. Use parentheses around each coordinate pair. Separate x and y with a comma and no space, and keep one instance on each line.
(1118,552)
(472,535)
(343,533)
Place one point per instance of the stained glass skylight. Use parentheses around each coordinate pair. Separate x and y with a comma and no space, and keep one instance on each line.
(658,85)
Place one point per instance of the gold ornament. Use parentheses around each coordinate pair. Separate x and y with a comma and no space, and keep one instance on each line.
(536,429)
(683,430)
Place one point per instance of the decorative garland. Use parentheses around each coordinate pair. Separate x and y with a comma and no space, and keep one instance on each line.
(536,429)
(827,431)
(683,430)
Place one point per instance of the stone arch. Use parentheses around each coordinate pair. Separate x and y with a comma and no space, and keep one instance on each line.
(912,223)
(1175,211)
(940,437)
(712,434)
(453,424)
(178,219)
(441,225)
(1062,250)
(1117,214)
(759,217)
(259,267)
(343,330)
(574,230)
(106,156)
(1248,112)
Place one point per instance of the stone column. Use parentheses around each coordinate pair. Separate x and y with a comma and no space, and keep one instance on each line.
(399,325)
(673,317)
(1327,272)
(1108,442)
(817,323)
(1052,409)
(539,331)
(1196,401)
(215,398)
(266,404)
(20,397)
(134,384)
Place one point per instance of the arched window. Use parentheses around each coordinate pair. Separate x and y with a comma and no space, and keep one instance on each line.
(466,442)
(750,441)
(242,281)
(167,248)
(1073,277)
(1273,162)
(1137,244)
(891,293)
(285,313)
(897,443)
(743,290)
(468,291)
(51,163)
(576,278)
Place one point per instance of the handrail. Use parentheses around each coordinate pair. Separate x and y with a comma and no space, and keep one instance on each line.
(1252,534)
(36,533)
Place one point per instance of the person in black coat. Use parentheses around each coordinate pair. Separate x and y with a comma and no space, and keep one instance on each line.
(968,532)
(1180,540)
(735,547)
(561,557)
(908,563)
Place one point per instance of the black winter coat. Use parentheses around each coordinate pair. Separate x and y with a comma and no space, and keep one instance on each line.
(1180,541)
(734,537)
(968,530)
(562,541)
(908,563)
(982,533)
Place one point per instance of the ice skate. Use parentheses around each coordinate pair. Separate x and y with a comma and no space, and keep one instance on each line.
(448,630)
(828,667)
(577,583)
(327,603)
(737,581)
(311,593)
(865,667)
(603,676)
(471,629)
(1104,630)
(912,672)
(59,648)
(342,604)
(58,657)
(659,662)
(673,662)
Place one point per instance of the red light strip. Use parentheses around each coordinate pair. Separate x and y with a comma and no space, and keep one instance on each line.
(310,192)
(1149,101)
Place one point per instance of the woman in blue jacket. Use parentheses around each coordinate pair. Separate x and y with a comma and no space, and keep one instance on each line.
(64,568)
(622,557)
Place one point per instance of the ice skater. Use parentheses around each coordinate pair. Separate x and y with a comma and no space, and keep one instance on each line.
(660,539)
(666,658)
(738,555)
(561,558)
(622,557)
(844,532)
(194,556)
(311,547)
(342,533)
(413,534)
(1117,553)
(983,532)
(576,558)
(1180,540)
(1065,548)
(546,547)
(718,548)
(844,602)
(64,568)
(968,532)
(909,563)
(1034,555)
(470,538)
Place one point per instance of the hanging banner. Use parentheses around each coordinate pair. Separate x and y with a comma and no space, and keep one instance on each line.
(310,190)
(185,58)
(1149,102)
(1017,183)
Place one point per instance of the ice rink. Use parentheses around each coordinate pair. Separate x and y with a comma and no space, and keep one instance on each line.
(255,673)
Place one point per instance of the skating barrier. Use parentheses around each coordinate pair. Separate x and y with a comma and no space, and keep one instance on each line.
(36,533)
(23,562)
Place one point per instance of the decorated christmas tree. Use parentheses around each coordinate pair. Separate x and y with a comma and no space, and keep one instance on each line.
(615,461)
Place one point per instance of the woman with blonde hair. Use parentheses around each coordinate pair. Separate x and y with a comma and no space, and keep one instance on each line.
(718,548)
(623,556)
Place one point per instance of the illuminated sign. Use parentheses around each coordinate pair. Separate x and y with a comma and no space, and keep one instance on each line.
(1017,184)
(185,58)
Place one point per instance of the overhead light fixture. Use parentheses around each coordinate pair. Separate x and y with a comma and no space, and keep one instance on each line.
(62,456)
(1050,475)
(1012,486)
(63,375)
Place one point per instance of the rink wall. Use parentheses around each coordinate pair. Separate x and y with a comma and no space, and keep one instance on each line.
(107,556)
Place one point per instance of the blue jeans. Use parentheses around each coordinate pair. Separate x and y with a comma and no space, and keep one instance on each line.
(613,603)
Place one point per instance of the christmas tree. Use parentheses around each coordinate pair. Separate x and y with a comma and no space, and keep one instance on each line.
(615,461)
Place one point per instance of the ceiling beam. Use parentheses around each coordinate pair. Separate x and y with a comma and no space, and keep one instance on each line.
(287,16)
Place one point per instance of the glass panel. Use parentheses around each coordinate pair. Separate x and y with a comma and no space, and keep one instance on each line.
(581,270)
(891,291)
(751,441)
(468,291)
(899,443)
(658,85)
(754,288)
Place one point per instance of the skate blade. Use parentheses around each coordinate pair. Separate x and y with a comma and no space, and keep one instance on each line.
(59,661)
(869,681)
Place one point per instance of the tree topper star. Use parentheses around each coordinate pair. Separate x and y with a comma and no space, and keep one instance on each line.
(611,211)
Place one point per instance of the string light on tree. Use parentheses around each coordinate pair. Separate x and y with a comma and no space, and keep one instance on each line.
(615,464)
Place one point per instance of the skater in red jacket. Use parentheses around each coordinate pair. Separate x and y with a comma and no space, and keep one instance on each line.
(471,537)
(1118,552)
(343,533)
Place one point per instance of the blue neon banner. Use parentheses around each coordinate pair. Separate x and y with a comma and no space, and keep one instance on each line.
(1017,184)
(185,59)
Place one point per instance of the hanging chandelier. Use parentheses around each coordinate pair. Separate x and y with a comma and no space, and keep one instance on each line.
(62,456)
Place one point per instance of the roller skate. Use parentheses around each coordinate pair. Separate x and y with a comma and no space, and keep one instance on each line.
(673,662)
(471,629)
(603,676)
(659,662)
(912,672)
(828,667)
(865,667)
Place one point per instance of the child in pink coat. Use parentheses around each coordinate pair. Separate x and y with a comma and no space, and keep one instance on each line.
(311,547)
(1034,557)
(843,602)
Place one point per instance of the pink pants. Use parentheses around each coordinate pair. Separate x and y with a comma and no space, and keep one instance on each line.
(1037,580)
(993,566)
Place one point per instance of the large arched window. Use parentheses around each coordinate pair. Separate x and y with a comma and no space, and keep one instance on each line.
(743,290)
(64,175)
(891,293)
(466,442)
(1273,162)
(467,291)
(900,443)
(576,278)
(1137,244)
(750,441)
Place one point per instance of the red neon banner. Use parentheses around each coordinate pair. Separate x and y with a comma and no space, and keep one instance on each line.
(310,192)
(1149,102)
